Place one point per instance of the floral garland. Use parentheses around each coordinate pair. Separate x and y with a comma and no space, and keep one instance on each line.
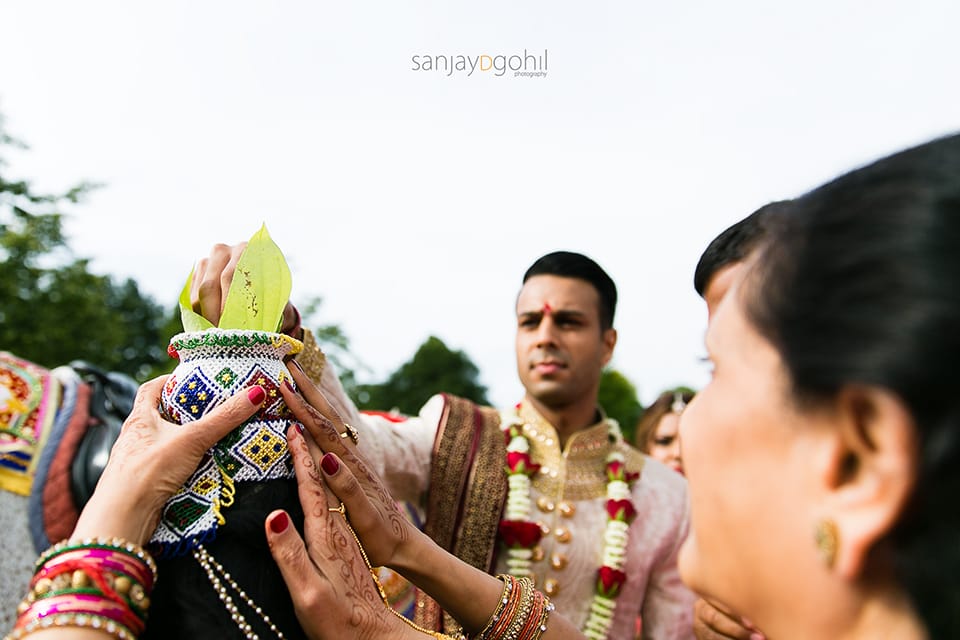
(521,535)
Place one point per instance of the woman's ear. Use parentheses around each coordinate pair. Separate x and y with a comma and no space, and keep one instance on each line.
(870,472)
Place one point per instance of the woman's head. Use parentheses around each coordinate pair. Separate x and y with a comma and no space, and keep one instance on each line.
(658,431)
(834,404)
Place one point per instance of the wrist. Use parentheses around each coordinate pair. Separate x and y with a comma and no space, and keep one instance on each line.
(115,516)
(412,554)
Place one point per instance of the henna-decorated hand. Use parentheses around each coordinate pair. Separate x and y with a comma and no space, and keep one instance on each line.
(382,528)
(332,588)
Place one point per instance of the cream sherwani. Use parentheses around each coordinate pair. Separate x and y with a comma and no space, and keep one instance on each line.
(569,494)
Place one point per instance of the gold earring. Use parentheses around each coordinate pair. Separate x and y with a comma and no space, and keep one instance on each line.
(827,538)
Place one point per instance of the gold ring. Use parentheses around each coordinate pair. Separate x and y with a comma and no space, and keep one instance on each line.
(351,432)
(342,510)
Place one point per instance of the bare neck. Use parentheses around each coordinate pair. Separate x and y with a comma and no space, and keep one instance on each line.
(861,612)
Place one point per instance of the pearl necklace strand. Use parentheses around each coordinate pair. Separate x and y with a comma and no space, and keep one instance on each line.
(212,569)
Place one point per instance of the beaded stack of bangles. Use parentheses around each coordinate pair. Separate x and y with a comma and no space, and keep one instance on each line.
(96,583)
(521,612)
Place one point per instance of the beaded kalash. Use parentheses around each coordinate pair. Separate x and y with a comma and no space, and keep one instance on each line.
(214,365)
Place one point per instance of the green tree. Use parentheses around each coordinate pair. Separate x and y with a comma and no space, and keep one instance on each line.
(434,368)
(52,308)
(619,400)
(336,346)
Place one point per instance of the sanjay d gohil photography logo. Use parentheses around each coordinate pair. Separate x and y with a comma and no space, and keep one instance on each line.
(516,65)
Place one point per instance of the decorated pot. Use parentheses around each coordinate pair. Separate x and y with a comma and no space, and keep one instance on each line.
(214,365)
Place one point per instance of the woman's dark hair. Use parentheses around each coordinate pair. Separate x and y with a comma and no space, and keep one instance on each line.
(735,243)
(647,425)
(860,284)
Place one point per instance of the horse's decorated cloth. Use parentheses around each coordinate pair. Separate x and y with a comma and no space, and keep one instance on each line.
(29,398)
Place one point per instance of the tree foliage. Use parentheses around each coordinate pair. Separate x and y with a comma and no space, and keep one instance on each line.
(335,344)
(619,400)
(54,310)
(434,368)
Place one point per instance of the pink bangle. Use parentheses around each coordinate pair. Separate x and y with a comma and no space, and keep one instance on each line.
(82,604)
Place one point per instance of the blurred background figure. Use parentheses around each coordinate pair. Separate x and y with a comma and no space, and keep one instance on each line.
(658,433)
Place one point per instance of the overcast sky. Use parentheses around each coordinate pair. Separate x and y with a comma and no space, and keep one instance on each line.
(412,201)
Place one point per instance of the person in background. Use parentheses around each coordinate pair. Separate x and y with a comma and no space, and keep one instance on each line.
(658,430)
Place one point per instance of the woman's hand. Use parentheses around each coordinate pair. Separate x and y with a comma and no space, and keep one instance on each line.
(713,622)
(150,461)
(331,597)
(381,527)
(330,582)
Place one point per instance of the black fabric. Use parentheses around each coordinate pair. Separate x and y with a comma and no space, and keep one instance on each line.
(111,401)
(185,605)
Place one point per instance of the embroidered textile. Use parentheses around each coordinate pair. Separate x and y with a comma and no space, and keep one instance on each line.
(29,396)
(466,494)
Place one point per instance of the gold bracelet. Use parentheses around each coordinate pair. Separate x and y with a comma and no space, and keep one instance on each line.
(78,620)
(383,594)
(311,359)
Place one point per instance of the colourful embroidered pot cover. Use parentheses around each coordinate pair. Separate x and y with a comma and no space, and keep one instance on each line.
(215,364)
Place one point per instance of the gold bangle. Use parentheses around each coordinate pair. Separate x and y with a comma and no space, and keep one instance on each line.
(509,586)
(80,620)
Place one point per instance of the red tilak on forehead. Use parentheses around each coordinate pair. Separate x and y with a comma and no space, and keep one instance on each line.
(547,308)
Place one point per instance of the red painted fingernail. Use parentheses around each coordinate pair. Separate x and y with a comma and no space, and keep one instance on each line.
(299,426)
(279,523)
(256,395)
(329,464)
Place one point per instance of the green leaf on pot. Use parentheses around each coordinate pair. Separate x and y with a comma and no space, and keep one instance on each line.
(192,321)
(260,287)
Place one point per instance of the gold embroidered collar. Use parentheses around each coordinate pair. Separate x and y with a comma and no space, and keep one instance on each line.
(579,472)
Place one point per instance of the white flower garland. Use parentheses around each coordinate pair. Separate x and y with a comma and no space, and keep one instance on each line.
(519,507)
(614,556)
